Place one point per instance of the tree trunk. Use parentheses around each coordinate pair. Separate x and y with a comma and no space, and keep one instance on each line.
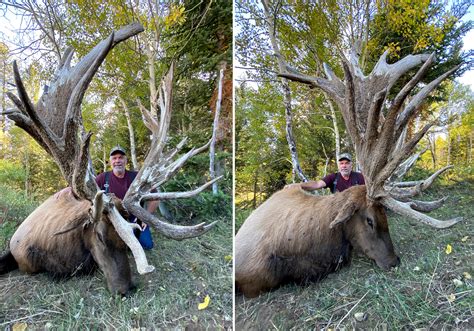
(469,152)
(286,91)
(432,141)
(104,159)
(337,137)
(26,165)
(255,185)
(133,152)
(212,152)
(4,91)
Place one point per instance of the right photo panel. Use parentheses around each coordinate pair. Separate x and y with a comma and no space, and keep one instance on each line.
(353,165)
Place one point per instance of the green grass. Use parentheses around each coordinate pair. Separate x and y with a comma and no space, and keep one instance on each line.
(186,271)
(413,295)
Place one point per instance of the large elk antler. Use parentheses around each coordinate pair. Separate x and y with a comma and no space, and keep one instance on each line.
(160,166)
(55,122)
(375,124)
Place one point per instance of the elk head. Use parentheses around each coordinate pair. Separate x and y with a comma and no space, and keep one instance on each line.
(55,122)
(106,246)
(366,228)
(376,126)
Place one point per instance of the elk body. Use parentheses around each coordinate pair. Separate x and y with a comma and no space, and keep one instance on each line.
(295,236)
(62,238)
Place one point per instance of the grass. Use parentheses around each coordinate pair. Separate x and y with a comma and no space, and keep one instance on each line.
(186,271)
(419,294)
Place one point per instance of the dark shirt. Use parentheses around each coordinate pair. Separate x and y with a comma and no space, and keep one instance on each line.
(117,186)
(342,184)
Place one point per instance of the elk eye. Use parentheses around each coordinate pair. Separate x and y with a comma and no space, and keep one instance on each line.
(370,222)
(100,237)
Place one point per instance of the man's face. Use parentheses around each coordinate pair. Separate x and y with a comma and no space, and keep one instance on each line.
(118,162)
(345,167)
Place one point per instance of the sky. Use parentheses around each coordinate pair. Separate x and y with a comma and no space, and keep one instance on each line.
(8,25)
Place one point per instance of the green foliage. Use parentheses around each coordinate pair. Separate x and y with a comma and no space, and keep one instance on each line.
(15,206)
(410,27)
(12,174)
(206,204)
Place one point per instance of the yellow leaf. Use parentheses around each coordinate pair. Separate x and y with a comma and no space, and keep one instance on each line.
(449,249)
(19,327)
(205,303)
(464,239)
(228,258)
(451,297)
(467,275)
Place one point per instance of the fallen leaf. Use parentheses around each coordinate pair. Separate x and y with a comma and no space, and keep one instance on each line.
(205,303)
(360,316)
(465,238)
(467,275)
(451,297)
(228,258)
(457,282)
(449,249)
(19,327)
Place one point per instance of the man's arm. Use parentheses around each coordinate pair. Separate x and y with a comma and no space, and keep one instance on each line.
(313,185)
(151,206)
(309,186)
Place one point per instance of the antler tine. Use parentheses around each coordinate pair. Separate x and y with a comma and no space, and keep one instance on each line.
(165,97)
(404,209)
(178,195)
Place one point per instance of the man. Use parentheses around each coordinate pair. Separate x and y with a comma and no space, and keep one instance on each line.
(117,182)
(339,181)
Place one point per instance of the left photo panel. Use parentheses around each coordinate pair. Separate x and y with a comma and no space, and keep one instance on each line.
(116,165)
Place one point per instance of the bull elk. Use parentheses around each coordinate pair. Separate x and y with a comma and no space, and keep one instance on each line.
(87,227)
(297,237)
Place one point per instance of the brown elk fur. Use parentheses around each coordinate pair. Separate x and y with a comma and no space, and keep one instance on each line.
(295,236)
(60,238)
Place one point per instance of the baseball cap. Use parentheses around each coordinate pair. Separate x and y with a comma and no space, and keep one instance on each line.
(345,156)
(118,149)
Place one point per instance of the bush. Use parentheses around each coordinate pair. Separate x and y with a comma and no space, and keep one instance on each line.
(202,207)
(12,174)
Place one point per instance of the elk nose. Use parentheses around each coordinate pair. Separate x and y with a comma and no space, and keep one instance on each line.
(395,262)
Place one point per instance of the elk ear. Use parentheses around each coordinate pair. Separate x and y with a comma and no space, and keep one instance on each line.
(344,214)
